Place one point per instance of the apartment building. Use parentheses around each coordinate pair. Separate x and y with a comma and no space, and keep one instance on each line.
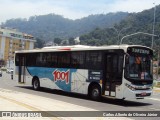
(12,40)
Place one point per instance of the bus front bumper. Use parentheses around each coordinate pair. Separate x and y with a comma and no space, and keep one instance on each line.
(137,94)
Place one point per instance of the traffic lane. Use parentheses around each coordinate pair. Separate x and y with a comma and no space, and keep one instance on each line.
(76,98)
(83,100)
(103,105)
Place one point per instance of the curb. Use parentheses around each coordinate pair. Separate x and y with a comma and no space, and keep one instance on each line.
(156,89)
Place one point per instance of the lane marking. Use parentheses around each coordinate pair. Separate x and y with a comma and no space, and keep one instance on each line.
(29,107)
(155,109)
(20,103)
(154,99)
(156,90)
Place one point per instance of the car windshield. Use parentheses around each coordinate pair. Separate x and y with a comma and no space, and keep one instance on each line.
(139,68)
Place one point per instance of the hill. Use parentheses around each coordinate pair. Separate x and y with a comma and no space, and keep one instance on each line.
(134,22)
(48,27)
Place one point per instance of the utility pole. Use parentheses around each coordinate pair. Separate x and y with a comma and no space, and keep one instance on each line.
(158,65)
(154,15)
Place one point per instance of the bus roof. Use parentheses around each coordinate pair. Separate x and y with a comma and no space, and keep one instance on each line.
(79,48)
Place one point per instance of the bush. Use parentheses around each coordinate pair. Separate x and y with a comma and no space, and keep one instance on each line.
(4,69)
(156,83)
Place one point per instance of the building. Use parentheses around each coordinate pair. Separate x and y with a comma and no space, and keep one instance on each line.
(77,40)
(12,40)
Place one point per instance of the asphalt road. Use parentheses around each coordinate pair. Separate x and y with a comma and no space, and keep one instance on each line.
(148,104)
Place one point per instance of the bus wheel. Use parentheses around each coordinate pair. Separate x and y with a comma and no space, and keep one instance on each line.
(36,84)
(95,93)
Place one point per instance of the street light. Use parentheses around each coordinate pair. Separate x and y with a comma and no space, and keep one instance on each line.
(118,32)
(153,24)
(137,34)
(156,47)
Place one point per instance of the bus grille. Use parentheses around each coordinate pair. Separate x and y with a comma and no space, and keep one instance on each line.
(143,95)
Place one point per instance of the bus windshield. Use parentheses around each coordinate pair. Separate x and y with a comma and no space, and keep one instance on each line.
(139,68)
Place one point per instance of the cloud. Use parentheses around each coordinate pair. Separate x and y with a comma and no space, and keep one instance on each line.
(72,9)
(132,5)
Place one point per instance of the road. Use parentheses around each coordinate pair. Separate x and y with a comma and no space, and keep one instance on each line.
(148,104)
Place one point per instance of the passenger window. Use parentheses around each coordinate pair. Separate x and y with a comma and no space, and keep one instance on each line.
(94,59)
(77,59)
(64,59)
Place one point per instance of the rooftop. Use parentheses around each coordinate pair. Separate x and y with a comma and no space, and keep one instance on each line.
(11,32)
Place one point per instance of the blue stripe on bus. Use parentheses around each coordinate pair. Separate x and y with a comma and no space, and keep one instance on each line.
(60,76)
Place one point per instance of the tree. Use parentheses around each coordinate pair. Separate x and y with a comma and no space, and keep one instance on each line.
(39,43)
(71,41)
(2,63)
(57,40)
(65,42)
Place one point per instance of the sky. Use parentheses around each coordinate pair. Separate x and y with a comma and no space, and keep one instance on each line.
(72,9)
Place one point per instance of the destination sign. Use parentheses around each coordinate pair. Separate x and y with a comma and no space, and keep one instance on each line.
(138,50)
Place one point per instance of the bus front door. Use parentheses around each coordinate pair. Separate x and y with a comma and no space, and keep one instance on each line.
(109,85)
(21,70)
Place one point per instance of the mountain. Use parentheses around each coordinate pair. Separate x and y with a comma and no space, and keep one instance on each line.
(48,27)
(94,29)
(134,22)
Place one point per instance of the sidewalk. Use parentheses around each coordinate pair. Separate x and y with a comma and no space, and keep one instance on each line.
(17,101)
(156,89)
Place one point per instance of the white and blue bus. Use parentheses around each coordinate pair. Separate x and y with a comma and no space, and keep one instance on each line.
(122,71)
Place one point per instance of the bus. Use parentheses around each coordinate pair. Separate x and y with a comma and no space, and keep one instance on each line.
(116,71)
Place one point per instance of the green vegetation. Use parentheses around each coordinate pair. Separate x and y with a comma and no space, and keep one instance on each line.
(3,69)
(156,84)
(135,22)
(93,30)
(48,27)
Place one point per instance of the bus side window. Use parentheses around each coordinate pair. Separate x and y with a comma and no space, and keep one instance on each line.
(48,59)
(17,60)
(54,60)
(31,59)
(93,59)
(77,59)
(120,66)
(64,59)
(41,60)
(115,66)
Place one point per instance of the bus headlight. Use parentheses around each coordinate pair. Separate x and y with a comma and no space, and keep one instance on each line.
(130,87)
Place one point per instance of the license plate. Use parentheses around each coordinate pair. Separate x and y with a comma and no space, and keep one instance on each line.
(144,93)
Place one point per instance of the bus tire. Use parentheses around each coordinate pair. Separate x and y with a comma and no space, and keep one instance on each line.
(36,83)
(95,92)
